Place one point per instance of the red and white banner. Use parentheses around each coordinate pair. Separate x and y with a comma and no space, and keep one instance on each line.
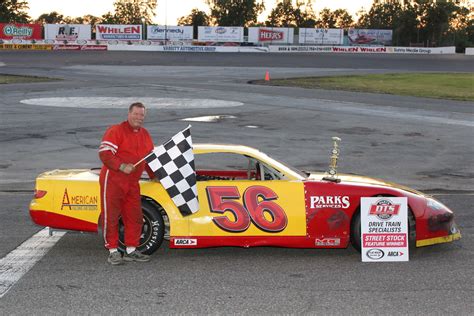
(271,35)
(67,32)
(221,34)
(118,32)
(10,31)
(384,229)
(80,47)
(321,36)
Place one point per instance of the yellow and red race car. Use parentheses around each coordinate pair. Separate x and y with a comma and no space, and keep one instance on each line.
(246,199)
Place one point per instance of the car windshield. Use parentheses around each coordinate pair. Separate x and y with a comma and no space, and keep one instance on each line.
(288,166)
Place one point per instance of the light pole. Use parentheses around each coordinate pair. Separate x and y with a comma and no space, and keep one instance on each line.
(144,28)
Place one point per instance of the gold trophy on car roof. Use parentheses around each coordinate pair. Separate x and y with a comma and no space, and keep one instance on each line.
(331,174)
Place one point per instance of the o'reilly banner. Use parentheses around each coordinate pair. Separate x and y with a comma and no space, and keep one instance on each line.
(118,32)
(10,31)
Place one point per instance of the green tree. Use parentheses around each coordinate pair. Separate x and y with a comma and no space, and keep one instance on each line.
(196,18)
(235,12)
(285,14)
(131,12)
(51,18)
(14,11)
(339,18)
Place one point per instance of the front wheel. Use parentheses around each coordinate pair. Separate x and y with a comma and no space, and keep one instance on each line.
(153,230)
(355,231)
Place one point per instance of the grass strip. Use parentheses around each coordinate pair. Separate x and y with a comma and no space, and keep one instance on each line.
(6,79)
(452,86)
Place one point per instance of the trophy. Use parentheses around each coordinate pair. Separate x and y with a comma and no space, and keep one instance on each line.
(331,174)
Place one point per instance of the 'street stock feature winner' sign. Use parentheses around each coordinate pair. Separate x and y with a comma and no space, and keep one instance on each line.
(384,229)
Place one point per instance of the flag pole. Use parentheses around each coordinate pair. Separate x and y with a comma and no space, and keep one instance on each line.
(140,161)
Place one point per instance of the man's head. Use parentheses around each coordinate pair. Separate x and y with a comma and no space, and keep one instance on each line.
(136,115)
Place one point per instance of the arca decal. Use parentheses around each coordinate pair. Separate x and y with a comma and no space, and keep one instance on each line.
(257,201)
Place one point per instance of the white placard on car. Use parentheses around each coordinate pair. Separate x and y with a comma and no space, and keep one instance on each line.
(384,229)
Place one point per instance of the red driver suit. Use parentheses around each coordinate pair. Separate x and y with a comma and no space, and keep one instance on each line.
(120,192)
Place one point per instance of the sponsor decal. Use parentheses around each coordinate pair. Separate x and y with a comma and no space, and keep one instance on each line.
(375,254)
(329,202)
(13,30)
(394,254)
(221,30)
(270,35)
(384,209)
(185,242)
(328,242)
(79,202)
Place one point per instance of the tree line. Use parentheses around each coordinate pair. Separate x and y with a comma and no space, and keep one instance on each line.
(421,23)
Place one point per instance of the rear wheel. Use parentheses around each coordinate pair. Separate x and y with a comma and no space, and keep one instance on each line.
(153,229)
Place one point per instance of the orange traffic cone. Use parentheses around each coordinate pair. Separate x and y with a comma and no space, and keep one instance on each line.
(267,76)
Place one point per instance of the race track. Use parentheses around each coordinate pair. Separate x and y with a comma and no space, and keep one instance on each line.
(423,143)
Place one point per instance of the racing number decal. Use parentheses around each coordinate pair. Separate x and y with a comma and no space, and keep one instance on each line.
(258,200)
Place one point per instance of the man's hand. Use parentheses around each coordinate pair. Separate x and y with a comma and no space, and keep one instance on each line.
(127,168)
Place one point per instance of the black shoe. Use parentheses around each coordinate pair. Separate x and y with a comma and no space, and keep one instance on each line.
(115,258)
(136,256)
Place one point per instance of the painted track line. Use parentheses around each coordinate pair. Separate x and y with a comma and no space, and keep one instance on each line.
(14,265)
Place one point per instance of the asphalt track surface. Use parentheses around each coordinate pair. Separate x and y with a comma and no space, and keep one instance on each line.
(423,143)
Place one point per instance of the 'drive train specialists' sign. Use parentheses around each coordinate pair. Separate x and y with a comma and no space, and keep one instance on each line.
(384,229)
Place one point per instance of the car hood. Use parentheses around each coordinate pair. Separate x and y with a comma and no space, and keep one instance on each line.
(356,179)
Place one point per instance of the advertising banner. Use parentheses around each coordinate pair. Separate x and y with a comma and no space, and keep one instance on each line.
(26,46)
(169,33)
(271,35)
(67,32)
(370,37)
(384,229)
(9,31)
(80,47)
(118,32)
(321,36)
(221,34)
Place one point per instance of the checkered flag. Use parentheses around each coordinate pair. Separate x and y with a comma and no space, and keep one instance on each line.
(173,164)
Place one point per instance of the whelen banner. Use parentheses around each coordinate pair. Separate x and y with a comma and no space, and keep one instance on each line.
(221,34)
(321,36)
(370,37)
(12,31)
(67,32)
(118,32)
(384,229)
(271,35)
(169,33)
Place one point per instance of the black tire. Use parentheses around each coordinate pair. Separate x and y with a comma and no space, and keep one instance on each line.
(355,231)
(152,232)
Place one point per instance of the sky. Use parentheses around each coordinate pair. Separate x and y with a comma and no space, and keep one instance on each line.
(169,11)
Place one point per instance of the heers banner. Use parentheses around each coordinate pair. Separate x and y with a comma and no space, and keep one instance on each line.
(67,32)
(9,31)
(169,33)
(384,229)
(321,36)
(221,34)
(271,35)
(118,32)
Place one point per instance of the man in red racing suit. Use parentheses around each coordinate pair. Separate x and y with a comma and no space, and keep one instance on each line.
(122,146)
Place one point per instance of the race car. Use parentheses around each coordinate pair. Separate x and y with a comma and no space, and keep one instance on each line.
(246,199)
